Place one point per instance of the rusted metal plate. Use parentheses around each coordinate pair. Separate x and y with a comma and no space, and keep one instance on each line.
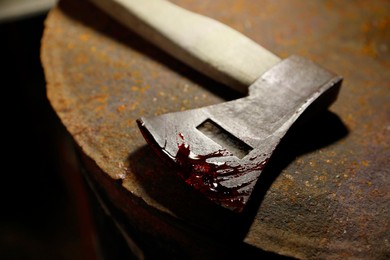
(325,194)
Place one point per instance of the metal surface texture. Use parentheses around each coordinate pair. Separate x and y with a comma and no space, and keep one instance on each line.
(259,122)
(327,193)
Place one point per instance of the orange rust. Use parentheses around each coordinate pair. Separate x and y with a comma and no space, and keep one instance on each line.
(121,108)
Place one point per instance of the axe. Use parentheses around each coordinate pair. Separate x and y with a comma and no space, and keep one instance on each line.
(221,150)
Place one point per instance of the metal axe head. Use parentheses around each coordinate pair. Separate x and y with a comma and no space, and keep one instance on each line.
(221,150)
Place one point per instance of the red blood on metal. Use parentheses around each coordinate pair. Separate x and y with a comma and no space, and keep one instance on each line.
(202,174)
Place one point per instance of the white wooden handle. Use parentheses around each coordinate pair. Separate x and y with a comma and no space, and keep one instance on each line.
(201,42)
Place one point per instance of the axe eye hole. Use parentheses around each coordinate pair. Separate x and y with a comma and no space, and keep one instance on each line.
(222,137)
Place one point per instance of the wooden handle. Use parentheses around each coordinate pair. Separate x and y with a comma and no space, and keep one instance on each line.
(201,42)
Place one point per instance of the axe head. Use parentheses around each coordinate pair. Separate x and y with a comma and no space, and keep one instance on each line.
(221,150)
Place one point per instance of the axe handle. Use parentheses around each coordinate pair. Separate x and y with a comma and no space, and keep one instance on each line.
(201,42)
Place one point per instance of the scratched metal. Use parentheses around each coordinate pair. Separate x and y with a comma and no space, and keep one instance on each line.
(325,194)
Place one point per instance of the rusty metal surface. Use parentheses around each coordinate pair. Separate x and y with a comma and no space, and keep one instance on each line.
(326,194)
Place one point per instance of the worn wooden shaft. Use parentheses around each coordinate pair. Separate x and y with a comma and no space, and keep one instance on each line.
(203,43)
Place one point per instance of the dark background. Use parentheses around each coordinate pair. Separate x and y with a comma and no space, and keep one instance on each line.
(47,209)
(38,219)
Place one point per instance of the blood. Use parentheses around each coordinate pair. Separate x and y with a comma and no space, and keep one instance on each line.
(205,175)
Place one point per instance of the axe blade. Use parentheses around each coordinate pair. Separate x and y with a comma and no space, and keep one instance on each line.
(221,150)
